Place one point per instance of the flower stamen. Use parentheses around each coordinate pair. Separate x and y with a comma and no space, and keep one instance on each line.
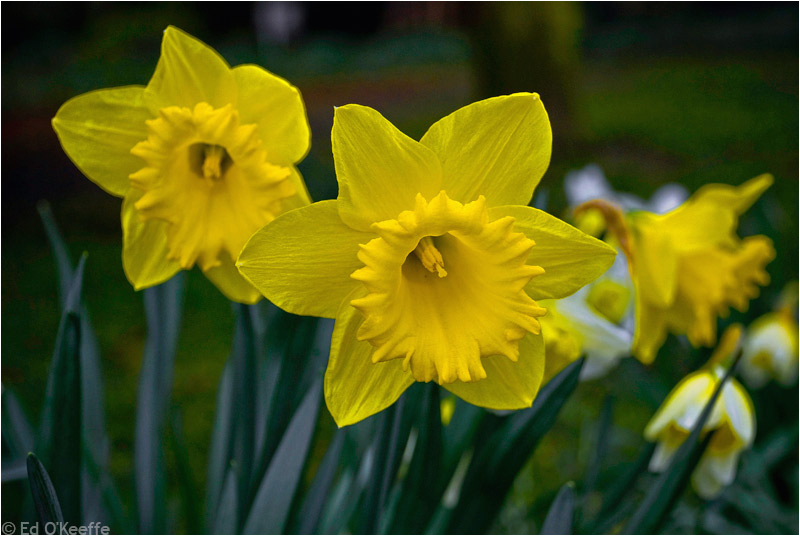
(214,159)
(430,257)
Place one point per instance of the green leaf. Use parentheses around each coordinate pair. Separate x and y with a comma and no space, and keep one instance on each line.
(497,461)
(186,481)
(314,502)
(614,510)
(93,413)
(44,495)
(561,515)
(662,495)
(221,449)
(243,355)
(419,495)
(272,503)
(226,520)
(59,439)
(163,305)
(383,466)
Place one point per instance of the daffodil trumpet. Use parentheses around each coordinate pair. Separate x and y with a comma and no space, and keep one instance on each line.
(203,156)
(430,260)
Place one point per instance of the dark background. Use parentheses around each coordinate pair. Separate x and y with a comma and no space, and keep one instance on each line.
(654,93)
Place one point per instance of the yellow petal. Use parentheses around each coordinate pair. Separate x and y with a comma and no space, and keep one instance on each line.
(189,72)
(230,282)
(302,260)
(97,131)
(656,262)
(508,385)
(355,387)
(301,198)
(684,404)
(570,258)
(498,148)
(650,332)
(277,108)
(380,170)
(144,247)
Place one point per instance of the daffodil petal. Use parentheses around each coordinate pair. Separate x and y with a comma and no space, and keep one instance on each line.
(693,391)
(302,260)
(301,198)
(508,385)
(498,148)
(570,258)
(380,170)
(144,247)
(97,131)
(189,72)
(355,387)
(231,283)
(277,108)
(650,332)
(740,411)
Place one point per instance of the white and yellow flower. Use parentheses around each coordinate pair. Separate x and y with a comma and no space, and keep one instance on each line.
(731,423)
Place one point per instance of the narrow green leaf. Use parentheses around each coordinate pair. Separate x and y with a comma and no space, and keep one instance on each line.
(614,509)
(59,439)
(419,496)
(314,503)
(63,264)
(665,490)
(272,503)
(93,404)
(44,494)
(244,379)
(221,449)
(374,494)
(225,521)
(163,305)
(186,481)
(17,431)
(560,517)
(497,461)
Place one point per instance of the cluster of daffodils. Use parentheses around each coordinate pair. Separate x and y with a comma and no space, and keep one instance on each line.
(731,423)
(430,259)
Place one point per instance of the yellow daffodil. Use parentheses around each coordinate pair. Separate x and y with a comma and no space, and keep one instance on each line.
(732,421)
(688,266)
(770,348)
(429,259)
(203,156)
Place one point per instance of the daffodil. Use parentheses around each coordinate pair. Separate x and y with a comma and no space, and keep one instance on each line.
(595,322)
(688,266)
(770,346)
(203,156)
(429,259)
(731,423)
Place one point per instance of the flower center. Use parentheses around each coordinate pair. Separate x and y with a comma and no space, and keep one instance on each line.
(238,191)
(429,256)
(443,322)
(209,162)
